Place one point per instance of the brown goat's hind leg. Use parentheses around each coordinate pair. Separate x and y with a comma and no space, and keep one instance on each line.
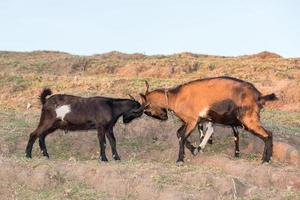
(253,125)
(236,141)
(202,133)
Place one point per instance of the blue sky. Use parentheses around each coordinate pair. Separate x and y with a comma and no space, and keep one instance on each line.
(231,27)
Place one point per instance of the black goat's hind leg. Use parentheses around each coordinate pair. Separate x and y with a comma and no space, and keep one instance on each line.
(46,122)
(32,138)
(102,144)
(42,143)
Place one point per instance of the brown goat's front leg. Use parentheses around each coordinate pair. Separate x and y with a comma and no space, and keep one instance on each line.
(193,150)
(102,144)
(182,141)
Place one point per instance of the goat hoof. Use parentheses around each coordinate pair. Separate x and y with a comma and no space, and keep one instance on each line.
(237,155)
(28,156)
(266,160)
(179,163)
(265,163)
(46,157)
(196,151)
(103,159)
(116,157)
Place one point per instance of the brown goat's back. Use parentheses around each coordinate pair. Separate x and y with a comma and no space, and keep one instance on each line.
(199,96)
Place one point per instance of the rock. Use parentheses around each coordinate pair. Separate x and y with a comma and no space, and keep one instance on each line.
(240,189)
(283,151)
(224,186)
(28,106)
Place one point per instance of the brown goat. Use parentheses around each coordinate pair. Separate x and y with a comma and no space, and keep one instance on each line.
(223,100)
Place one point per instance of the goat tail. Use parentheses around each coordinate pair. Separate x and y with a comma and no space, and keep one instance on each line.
(46,92)
(268,97)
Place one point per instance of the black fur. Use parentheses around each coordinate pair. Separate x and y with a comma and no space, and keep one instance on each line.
(46,92)
(269,97)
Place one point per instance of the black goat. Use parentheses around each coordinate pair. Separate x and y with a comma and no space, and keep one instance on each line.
(72,113)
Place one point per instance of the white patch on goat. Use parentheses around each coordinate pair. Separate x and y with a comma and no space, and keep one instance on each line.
(62,111)
(207,135)
(203,113)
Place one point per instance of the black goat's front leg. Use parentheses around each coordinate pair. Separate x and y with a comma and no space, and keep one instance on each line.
(102,144)
(112,141)
(236,141)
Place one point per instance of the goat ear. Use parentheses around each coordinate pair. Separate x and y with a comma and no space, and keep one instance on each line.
(131,97)
(147,87)
(143,97)
(146,105)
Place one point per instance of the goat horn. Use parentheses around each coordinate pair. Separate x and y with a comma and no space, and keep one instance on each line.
(131,97)
(141,108)
(147,87)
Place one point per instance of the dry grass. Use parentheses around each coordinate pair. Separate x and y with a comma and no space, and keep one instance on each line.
(115,74)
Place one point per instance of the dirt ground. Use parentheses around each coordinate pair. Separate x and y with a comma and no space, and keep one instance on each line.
(147,169)
(148,148)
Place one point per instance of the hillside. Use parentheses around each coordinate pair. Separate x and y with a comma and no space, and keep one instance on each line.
(26,73)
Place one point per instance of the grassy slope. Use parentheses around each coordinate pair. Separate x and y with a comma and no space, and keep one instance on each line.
(23,74)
